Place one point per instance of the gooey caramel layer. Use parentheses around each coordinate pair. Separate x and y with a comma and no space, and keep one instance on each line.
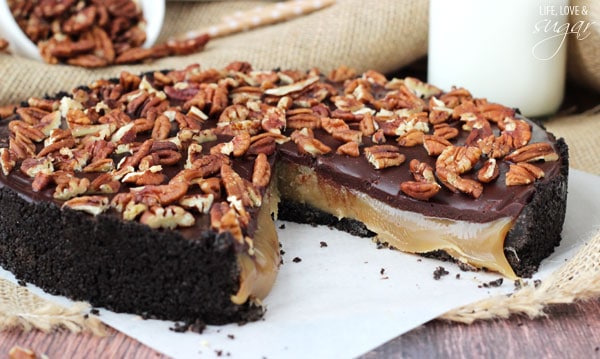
(478,244)
(259,267)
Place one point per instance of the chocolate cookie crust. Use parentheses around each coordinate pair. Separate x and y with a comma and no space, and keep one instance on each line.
(123,266)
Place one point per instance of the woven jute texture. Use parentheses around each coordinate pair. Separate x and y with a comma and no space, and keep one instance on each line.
(584,43)
(383,35)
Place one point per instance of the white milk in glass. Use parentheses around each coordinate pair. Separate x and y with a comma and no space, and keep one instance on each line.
(509,51)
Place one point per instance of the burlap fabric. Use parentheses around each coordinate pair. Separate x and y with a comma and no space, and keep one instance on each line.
(383,35)
(584,43)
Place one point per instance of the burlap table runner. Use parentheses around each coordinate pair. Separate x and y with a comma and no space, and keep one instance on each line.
(383,35)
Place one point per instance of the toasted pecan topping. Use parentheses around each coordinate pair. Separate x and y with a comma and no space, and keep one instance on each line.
(200,142)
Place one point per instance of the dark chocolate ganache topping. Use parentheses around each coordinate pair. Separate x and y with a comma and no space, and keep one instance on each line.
(249,120)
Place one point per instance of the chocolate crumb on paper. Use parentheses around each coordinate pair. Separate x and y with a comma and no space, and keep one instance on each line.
(492,284)
(297,260)
(323,244)
(439,272)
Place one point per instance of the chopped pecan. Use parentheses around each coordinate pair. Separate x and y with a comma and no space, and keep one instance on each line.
(378,137)
(241,143)
(199,202)
(445,131)
(303,120)
(383,156)
(421,171)
(438,112)
(105,183)
(27,130)
(21,146)
(489,171)
(238,188)
(224,219)
(411,138)
(169,217)
(332,125)
(161,128)
(210,164)
(349,148)
(154,195)
(71,188)
(57,146)
(93,205)
(420,88)
(235,119)
(495,147)
(49,123)
(341,74)
(288,89)
(7,111)
(262,144)
(367,125)
(151,176)
(274,119)
(101,165)
(31,166)
(348,136)
(211,186)
(518,131)
(31,115)
(8,160)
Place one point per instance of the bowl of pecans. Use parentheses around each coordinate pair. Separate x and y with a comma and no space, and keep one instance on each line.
(88,33)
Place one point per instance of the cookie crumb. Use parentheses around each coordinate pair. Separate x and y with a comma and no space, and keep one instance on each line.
(297,260)
(197,326)
(22,283)
(282,226)
(457,276)
(95,311)
(492,284)
(323,244)
(439,272)
(537,283)
(231,336)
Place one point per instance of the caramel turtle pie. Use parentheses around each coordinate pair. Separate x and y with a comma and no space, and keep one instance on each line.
(154,194)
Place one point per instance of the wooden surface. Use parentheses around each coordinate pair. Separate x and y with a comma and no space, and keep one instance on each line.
(569,331)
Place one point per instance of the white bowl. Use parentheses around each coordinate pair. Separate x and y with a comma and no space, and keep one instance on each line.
(20,44)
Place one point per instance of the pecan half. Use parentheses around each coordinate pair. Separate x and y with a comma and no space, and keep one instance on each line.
(261,175)
(458,159)
(522,174)
(456,183)
(383,156)
(533,152)
(435,145)
(420,190)
(308,144)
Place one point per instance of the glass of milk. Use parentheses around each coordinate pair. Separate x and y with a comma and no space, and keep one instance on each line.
(509,51)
